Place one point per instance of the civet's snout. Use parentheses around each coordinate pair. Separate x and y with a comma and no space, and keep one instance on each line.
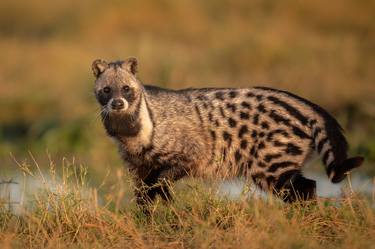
(117,104)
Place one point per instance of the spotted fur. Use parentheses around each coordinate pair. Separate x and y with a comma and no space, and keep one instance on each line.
(259,133)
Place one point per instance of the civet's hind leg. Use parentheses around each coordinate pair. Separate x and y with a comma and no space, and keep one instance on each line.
(292,186)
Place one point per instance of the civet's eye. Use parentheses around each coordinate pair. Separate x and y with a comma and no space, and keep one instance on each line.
(126,88)
(107,89)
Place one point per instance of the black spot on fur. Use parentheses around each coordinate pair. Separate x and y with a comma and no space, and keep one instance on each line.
(237,156)
(232,94)
(231,107)
(265,125)
(250,95)
(232,123)
(254,134)
(213,135)
(292,149)
(246,105)
(243,144)
(244,115)
(205,105)
(261,108)
(217,124)
(256,119)
(219,95)
(243,130)
(261,146)
(261,134)
(249,163)
(227,137)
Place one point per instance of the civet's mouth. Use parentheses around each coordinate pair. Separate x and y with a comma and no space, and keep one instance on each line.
(117,105)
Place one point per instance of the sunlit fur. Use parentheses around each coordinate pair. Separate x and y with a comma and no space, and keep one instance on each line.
(259,133)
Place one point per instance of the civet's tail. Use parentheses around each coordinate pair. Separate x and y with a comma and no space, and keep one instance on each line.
(332,146)
(328,139)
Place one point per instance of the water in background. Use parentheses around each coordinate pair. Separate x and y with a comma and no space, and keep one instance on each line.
(17,193)
(325,188)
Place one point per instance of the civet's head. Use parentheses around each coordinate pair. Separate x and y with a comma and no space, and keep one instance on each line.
(116,87)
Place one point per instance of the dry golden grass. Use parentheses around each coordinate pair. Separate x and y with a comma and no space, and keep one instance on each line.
(66,213)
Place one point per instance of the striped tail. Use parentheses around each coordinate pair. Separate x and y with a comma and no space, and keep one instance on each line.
(332,146)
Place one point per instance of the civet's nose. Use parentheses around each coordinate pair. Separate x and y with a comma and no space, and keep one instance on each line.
(117,104)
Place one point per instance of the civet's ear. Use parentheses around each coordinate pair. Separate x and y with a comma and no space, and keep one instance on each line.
(130,64)
(98,67)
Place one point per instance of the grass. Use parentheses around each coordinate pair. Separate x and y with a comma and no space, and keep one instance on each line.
(67,213)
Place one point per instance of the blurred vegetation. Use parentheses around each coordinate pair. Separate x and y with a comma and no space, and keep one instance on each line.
(324,51)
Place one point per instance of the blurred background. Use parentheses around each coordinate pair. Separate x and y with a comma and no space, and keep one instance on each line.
(321,50)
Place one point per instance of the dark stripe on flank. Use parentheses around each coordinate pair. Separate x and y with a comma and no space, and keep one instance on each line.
(198,113)
(331,126)
(292,149)
(269,157)
(277,131)
(280,165)
(290,109)
(297,131)
(278,118)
